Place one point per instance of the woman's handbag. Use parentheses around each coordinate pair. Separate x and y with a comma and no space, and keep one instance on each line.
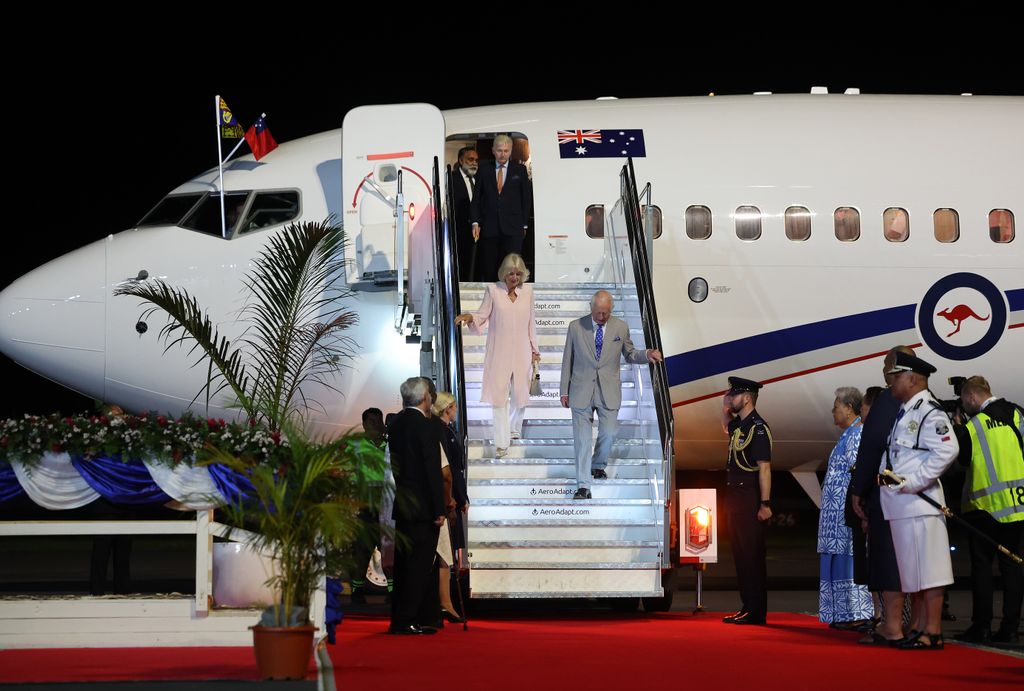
(535,389)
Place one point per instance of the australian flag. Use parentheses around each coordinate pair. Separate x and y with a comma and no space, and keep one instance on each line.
(601,143)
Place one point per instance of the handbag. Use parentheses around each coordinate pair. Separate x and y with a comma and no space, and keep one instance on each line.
(535,389)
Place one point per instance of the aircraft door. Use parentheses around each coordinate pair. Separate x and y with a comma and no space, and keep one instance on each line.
(383,146)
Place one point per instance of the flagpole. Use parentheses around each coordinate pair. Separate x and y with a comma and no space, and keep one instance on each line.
(220,169)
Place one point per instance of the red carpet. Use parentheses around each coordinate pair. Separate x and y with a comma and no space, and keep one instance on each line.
(587,650)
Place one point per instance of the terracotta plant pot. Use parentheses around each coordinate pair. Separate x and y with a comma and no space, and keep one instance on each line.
(283,652)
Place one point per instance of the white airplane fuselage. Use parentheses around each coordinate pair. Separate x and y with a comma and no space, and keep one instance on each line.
(805,316)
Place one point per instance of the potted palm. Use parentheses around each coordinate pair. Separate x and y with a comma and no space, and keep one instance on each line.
(303,509)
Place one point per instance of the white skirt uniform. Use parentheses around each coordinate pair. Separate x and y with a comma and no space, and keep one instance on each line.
(921,447)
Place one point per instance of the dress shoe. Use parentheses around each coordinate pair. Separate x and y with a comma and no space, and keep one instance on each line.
(731,618)
(599,474)
(453,618)
(975,633)
(934,642)
(1006,636)
(432,627)
(408,630)
(582,493)
(749,619)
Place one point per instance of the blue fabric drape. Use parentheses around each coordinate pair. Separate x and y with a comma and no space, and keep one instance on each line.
(229,483)
(9,485)
(125,483)
(333,613)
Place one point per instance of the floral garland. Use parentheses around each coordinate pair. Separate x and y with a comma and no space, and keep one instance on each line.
(149,436)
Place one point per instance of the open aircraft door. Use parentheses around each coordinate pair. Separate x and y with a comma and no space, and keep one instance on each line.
(388,154)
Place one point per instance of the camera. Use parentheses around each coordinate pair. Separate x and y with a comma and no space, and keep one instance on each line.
(953,406)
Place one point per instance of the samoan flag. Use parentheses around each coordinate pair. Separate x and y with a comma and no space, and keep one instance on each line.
(601,143)
(260,140)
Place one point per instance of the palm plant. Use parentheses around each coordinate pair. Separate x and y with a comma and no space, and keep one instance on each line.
(304,509)
(296,317)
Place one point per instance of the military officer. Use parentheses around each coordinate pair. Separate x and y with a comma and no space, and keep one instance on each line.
(748,498)
(921,447)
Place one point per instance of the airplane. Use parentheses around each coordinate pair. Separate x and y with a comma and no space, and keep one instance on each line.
(797,238)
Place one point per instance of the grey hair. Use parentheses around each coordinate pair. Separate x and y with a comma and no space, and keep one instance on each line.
(414,390)
(602,294)
(503,138)
(850,396)
(513,262)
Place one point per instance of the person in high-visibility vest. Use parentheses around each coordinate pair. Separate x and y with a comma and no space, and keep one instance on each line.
(992,450)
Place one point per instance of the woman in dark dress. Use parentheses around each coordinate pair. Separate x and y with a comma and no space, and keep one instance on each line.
(445,411)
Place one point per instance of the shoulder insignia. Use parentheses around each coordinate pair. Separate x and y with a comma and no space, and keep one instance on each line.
(941,428)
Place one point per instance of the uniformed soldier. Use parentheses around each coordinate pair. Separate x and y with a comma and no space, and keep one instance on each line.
(992,451)
(748,498)
(921,447)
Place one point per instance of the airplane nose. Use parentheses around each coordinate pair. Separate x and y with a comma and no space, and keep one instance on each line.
(52,320)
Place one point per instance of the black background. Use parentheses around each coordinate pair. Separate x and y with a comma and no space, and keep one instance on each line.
(99,124)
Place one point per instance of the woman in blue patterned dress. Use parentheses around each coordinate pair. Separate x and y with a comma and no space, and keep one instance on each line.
(841,600)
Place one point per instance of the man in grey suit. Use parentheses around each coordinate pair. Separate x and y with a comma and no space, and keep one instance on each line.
(590,382)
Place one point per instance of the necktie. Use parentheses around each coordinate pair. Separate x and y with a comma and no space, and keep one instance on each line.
(501,177)
(599,340)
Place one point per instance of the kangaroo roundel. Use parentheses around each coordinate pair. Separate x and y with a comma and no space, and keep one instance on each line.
(962,316)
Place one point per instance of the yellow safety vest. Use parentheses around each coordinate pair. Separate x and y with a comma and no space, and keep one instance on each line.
(996,475)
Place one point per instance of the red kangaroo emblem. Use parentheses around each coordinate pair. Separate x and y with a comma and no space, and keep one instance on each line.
(957,315)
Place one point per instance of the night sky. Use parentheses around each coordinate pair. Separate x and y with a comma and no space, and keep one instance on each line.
(107,124)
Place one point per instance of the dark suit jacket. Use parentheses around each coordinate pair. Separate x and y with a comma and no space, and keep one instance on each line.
(873,440)
(507,213)
(453,449)
(460,199)
(416,463)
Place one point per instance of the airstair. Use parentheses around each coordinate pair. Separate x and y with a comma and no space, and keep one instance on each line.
(527,537)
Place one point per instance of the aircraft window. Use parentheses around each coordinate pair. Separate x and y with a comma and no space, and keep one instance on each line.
(170,210)
(271,209)
(947,225)
(847,223)
(748,222)
(698,222)
(593,221)
(657,219)
(896,224)
(206,217)
(1000,225)
(387,172)
(798,223)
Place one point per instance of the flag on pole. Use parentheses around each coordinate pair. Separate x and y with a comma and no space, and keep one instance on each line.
(229,127)
(260,140)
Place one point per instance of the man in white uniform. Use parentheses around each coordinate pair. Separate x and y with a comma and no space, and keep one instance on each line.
(921,446)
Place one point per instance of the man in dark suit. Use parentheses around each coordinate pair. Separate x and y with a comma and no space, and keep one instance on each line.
(463,186)
(500,210)
(883,571)
(419,512)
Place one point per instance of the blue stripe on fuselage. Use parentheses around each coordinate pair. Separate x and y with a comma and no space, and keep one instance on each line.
(755,350)
(1015,299)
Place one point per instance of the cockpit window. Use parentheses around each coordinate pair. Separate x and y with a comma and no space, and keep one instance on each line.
(270,209)
(206,217)
(170,210)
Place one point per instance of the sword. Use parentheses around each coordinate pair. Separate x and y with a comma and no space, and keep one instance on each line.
(895,479)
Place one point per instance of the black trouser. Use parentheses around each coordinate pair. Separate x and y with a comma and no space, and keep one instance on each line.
(491,251)
(748,551)
(1010,536)
(362,550)
(883,570)
(415,599)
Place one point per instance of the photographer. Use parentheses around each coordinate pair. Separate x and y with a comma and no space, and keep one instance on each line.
(992,451)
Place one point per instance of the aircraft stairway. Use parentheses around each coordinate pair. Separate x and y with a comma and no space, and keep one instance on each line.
(527,536)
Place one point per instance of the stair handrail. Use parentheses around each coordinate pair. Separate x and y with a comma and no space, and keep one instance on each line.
(452,376)
(642,275)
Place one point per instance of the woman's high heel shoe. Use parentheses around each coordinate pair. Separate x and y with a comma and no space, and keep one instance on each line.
(453,618)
